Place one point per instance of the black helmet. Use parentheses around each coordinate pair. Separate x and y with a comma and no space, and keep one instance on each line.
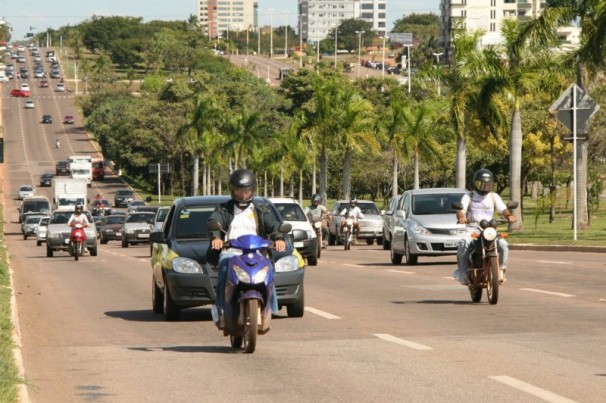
(242,178)
(483,181)
(78,208)
(353,202)
(315,199)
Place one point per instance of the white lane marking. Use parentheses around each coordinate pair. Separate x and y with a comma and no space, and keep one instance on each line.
(553,262)
(402,342)
(531,389)
(401,271)
(353,265)
(558,294)
(321,313)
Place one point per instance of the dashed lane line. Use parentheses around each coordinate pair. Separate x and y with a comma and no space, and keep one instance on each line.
(531,389)
(557,294)
(323,314)
(402,342)
(401,271)
(552,262)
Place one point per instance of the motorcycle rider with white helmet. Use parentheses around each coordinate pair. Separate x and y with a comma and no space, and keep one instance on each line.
(355,213)
(478,205)
(317,212)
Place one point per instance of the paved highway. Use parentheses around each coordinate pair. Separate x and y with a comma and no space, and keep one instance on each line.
(372,331)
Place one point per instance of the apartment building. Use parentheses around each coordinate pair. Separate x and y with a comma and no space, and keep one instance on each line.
(218,17)
(318,17)
(488,15)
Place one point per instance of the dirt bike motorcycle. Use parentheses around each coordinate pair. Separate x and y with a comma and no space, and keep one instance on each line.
(77,241)
(347,233)
(484,258)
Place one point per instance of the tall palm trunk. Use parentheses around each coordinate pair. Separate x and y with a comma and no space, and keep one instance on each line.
(461,159)
(416,178)
(323,174)
(515,165)
(394,175)
(194,178)
(347,173)
(581,185)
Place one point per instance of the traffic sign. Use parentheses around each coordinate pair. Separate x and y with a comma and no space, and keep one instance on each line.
(582,109)
(162,166)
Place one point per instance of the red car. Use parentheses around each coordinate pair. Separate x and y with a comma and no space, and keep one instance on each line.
(43,83)
(68,120)
(19,93)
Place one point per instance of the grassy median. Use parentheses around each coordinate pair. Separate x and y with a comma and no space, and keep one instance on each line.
(9,376)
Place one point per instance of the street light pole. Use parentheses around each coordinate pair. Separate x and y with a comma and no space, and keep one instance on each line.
(286,41)
(271,33)
(359,33)
(301,41)
(437,55)
(336,28)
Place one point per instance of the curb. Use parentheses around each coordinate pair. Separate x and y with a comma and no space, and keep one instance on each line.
(558,248)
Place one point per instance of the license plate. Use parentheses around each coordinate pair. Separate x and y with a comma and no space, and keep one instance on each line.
(298,244)
(66,241)
(118,234)
(450,244)
(143,236)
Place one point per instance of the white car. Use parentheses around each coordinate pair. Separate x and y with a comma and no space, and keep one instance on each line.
(29,105)
(292,213)
(60,87)
(25,191)
(41,230)
(25,87)
(135,204)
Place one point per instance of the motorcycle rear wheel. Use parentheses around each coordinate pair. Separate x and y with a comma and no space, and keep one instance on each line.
(251,314)
(492,282)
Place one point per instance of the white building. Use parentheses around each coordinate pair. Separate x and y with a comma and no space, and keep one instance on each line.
(488,15)
(318,17)
(218,17)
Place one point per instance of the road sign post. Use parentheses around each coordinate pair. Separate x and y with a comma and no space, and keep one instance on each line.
(159,168)
(574,108)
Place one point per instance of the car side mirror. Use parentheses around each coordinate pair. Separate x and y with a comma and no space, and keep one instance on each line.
(400,214)
(157,237)
(512,205)
(299,235)
(285,228)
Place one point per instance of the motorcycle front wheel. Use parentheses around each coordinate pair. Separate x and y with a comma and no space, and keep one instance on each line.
(251,315)
(492,280)
(76,249)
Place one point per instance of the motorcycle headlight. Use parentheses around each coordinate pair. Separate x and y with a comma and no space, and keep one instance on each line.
(349,221)
(489,234)
(242,274)
(185,265)
(286,264)
(261,275)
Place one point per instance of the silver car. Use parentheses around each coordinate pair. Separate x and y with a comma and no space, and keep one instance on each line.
(425,224)
(30,224)
(41,231)
(25,191)
(137,228)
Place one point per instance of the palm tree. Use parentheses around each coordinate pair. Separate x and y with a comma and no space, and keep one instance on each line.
(420,137)
(204,121)
(393,126)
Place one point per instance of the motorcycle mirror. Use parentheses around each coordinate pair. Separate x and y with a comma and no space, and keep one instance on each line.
(512,205)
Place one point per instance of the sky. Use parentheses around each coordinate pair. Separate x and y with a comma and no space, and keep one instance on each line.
(43,14)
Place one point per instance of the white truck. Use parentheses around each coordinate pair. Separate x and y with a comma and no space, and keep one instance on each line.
(81,167)
(68,192)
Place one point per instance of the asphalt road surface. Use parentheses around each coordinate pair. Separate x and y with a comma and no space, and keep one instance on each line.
(372,331)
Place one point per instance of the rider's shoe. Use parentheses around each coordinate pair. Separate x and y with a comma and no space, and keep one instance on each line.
(502,279)
(460,277)
(218,319)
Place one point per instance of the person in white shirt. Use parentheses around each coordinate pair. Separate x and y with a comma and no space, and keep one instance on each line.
(354,212)
(78,217)
(480,205)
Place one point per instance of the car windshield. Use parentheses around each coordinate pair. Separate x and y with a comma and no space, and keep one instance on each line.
(115,220)
(291,212)
(61,217)
(434,203)
(140,217)
(192,222)
(42,206)
(126,193)
(365,207)
(44,222)
(32,219)
(26,188)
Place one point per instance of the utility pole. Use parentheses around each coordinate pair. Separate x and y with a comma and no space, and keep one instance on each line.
(359,33)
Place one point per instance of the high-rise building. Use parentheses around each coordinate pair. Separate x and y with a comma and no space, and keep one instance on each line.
(318,17)
(488,15)
(218,17)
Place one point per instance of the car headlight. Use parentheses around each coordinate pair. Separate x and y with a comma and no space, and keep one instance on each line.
(489,234)
(286,264)
(130,230)
(185,265)
(242,274)
(261,275)
(90,233)
(419,229)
